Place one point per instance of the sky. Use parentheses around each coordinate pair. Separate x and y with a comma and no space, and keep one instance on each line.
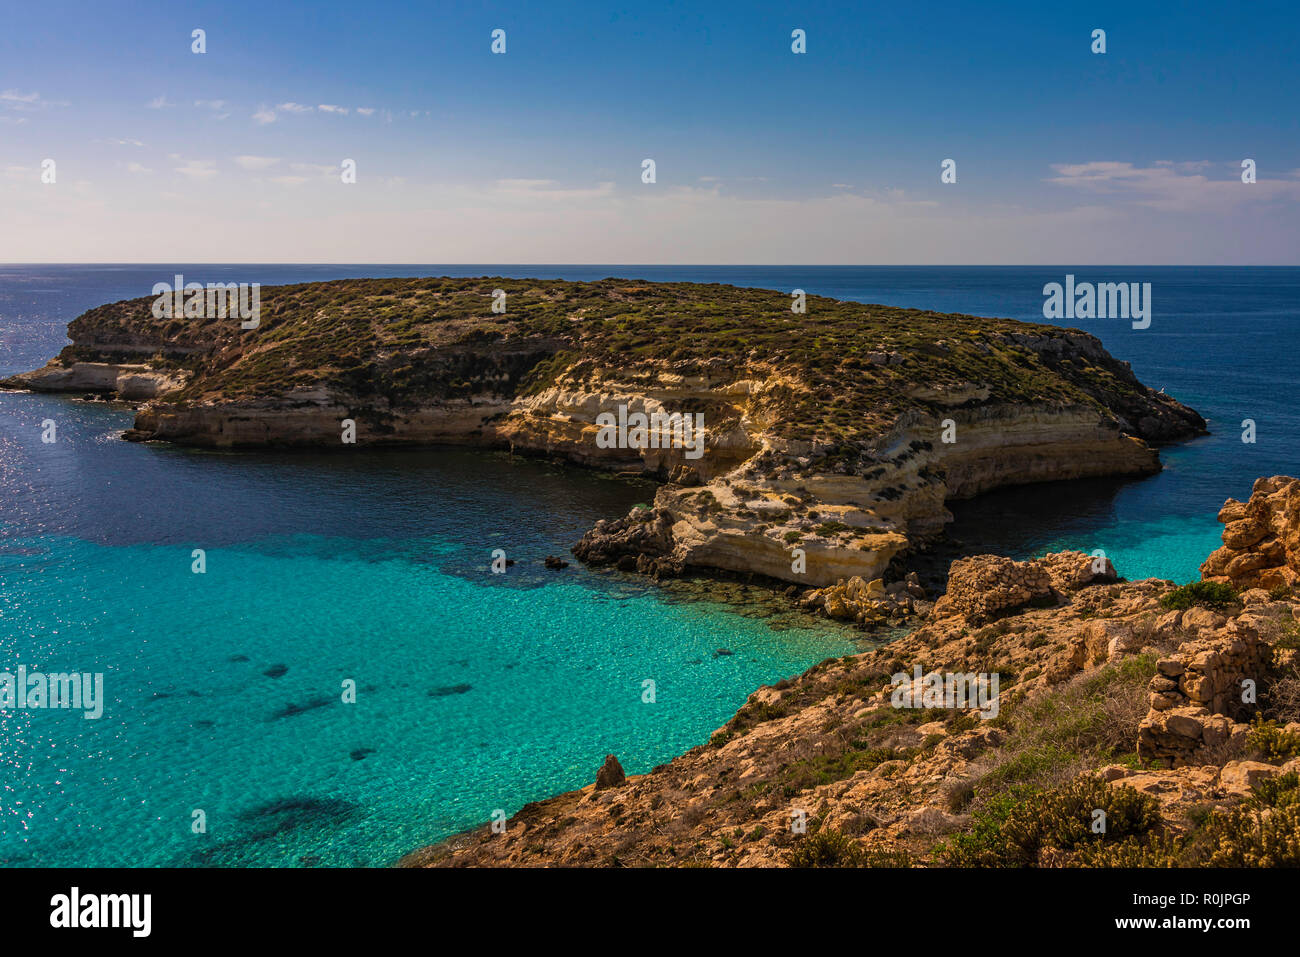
(762,155)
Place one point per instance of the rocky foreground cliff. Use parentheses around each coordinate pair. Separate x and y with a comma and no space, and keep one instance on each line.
(831,438)
(1132,724)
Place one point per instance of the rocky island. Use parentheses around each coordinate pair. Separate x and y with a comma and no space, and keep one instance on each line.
(831,438)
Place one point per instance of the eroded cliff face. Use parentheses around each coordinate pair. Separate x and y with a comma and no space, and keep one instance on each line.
(830,442)
(124,380)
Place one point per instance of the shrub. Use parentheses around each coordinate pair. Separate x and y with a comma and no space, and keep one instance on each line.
(1284,697)
(828,848)
(1011,830)
(1262,831)
(1271,742)
(1206,594)
(825,769)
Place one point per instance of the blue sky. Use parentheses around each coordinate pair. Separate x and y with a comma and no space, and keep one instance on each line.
(762,156)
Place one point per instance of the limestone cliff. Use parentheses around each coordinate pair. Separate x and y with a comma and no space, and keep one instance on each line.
(831,440)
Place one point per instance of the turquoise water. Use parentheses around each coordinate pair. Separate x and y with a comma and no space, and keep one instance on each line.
(476,692)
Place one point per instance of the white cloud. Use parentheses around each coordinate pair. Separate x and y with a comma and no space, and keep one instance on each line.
(256,162)
(134,167)
(15,100)
(197,169)
(600,222)
(366,110)
(268,114)
(331,108)
(314,169)
(219,108)
(159,103)
(1168,185)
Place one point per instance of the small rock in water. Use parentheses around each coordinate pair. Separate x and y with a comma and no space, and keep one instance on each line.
(239,657)
(360,753)
(276,671)
(448,690)
(610,774)
(554,563)
(723,652)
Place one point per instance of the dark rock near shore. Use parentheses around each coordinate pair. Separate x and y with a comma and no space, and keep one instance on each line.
(610,774)
(641,542)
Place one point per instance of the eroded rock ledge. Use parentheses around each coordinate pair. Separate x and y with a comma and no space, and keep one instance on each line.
(832,439)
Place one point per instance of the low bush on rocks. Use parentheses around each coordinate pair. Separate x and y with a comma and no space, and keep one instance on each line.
(1215,595)
(829,848)
(1263,831)
(1273,743)
(1023,822)
(826,769)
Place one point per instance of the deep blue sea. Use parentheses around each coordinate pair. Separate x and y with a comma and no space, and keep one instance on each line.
(476,692)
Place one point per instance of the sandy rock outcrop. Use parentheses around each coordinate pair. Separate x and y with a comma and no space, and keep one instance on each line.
(984,587)
(1261,538)
(868,602)
(129,381)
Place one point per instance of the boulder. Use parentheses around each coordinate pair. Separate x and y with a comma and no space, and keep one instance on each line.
(610,774)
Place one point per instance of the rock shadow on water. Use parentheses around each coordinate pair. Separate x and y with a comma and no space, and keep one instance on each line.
(286,829)
(448,690)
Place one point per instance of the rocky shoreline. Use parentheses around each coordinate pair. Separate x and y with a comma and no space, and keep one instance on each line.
(1169,714)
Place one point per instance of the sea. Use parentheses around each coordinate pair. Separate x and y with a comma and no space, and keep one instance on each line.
(347,680)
